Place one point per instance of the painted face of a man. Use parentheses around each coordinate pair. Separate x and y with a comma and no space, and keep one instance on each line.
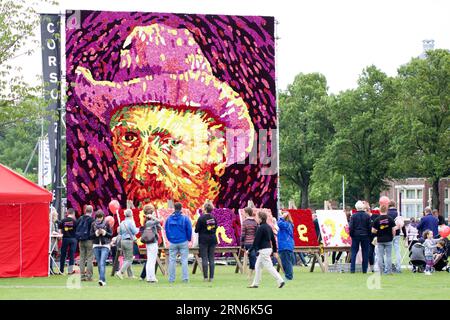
(166,153)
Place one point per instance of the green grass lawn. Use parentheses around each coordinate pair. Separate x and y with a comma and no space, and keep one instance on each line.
(229,285)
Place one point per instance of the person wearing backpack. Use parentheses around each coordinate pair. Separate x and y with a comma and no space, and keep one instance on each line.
(179,232)
(83,235)
(127,232)
(67,227)
(206,228)
(149,236)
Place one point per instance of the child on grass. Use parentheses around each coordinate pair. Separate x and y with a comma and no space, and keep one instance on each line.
(440,255)
(430,245)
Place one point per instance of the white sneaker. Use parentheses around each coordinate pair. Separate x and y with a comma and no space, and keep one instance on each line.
(119,275)
(152,281)
(427,273)
(101,283)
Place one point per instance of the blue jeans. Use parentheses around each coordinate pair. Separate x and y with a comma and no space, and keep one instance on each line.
(371,253)
(251,256)
(71,244)
(398,255)
(302,258)
(384,263)
(174,249)
(364,242)
(429,263)
(101,254)
(287,260)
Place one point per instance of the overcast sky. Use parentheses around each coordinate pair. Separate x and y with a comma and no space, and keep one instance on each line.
(337,38)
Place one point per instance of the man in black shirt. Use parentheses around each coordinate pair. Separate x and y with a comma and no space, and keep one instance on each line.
(206,228)
(265,244)
(384,228)
(67,227)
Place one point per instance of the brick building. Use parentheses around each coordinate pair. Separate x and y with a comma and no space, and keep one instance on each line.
(412,195)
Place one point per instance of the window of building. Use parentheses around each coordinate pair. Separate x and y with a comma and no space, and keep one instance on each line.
(430,196)
(410,210)
(419,209)
(446,203)
(411,200)
(410,194)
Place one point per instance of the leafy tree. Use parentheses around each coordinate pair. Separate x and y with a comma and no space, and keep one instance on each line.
(421,121)
(288,192)
(326,184)
(360,147)
(18,24)
(21,104)
(17,146)
(304,130)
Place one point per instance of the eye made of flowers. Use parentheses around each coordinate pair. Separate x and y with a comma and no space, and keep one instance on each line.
(130,137)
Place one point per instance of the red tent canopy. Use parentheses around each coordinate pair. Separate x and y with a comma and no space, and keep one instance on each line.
(24,226)
(15,188)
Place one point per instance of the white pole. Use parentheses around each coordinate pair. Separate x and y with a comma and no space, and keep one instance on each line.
(118,216)
(50,239)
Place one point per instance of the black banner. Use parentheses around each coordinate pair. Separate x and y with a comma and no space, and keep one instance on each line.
(51,67)
(233,309)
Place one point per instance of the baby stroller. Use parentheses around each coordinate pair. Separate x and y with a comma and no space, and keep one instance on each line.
(417,256)
(441,259)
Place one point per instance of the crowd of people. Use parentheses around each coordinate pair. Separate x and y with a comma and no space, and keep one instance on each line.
(379,236)
(376,235)
(92,233)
